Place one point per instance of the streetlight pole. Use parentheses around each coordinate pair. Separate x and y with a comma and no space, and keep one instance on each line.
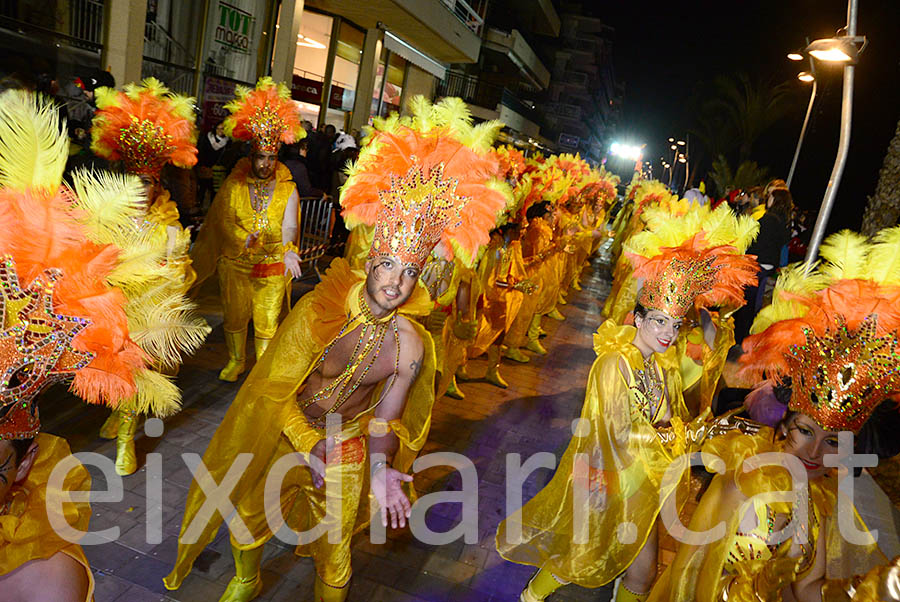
(812,99)
(843,146)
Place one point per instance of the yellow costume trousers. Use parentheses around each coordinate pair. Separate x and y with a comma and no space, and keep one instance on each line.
(246,296)
(303,506)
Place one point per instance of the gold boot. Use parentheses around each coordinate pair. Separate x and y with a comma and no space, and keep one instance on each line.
(236,343)
(462,374)
(576,285)
(126,458)
(534,336)
(516,355)
(246,583)
(626,595)
(453,390)
(541,585)
(110,428)
(493,371)
(329,593)
(259,345)
(556,315)
(536,347)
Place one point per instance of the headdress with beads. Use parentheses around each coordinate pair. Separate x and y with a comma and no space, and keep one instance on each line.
(427,178)
(82,292)
(693,260)
(145,126)
(834,331)
(265,115)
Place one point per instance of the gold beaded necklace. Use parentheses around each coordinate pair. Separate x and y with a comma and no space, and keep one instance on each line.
(368,345)
(260,190)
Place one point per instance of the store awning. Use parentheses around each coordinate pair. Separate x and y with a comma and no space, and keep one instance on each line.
(414,56)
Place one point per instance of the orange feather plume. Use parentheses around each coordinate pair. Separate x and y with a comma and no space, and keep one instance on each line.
(266,115)
(145,126)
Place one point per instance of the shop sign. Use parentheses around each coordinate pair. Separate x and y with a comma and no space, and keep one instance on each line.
(569,140)
(235,28)
(216,94)
(310,90)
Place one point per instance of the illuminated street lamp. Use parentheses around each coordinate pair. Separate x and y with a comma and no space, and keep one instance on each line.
(680,143)
(795,56)
(806,77)
(841,49)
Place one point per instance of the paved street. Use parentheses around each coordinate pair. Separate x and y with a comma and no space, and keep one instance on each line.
(533,415)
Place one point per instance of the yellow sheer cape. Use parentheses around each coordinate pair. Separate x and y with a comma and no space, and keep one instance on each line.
(501,303)
(267,400)
(618,458)
(25,530)
(696,573)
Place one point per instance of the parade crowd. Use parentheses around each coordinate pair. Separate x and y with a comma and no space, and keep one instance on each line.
(458,247)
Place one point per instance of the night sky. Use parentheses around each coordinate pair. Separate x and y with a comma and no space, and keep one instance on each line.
(665,52)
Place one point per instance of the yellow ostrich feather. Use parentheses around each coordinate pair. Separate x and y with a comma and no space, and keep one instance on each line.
(793,280)
(155,395)
(845,255)
(883,259)
(33,154)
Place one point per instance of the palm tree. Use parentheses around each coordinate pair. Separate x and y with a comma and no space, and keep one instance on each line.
(734,112)
(747,175)
(883,208)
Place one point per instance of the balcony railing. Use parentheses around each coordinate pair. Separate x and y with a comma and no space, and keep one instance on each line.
(472,17)
(80,25)
(159,45)
(488,95)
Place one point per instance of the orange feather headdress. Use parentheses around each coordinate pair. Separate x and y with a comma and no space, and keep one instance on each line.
(693,260)
(65,289)
(145,126)
(834,331)
(425,179)
(265,115)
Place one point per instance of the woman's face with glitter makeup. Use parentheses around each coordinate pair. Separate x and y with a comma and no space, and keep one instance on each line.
(809,442)
(656,331)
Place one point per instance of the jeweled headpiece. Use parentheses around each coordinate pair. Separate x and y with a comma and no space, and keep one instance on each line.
(834,331)
(71,301)
(695,259)
(145,126)
(424,179)
(265,115)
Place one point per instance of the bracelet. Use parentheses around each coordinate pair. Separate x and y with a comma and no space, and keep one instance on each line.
(290,247)
(378,465)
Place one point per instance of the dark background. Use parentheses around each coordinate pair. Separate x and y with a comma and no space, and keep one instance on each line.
(667,52)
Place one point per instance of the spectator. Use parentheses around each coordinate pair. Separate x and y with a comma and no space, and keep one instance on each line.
(211,148)
(774,234)
(344,152)
(294,158)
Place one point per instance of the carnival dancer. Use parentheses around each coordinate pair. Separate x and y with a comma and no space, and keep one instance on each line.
(831,338)
(73,269)
(702,350)
(350,350)
(633,425)
(147,127)
(250,233)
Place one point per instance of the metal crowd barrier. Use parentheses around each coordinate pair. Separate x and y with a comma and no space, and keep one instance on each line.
(317,218)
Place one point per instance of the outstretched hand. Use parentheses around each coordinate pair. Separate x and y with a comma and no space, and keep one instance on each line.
(387,487)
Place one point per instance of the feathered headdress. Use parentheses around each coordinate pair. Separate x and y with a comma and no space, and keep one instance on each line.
(65,289)
(693,260)
(834,330)
(145,126)
(265,115)
(424,179)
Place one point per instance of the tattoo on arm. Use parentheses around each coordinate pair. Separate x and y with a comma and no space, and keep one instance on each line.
(6,467)
(416,366)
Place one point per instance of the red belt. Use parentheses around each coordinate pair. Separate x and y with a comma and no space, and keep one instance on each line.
(264,270)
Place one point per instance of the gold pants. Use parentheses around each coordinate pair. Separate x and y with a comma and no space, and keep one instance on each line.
(246,296)
(303,507)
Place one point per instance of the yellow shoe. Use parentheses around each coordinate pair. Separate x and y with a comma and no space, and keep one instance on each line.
(462,375)
(541,585)
(126,457)
(576,285)
(453,391)
(623,594)
(516,355)
(110,428)
(535,346)
(246,583)
(493,377)
(236,343)
(556,315)
(241,590)
(330,593)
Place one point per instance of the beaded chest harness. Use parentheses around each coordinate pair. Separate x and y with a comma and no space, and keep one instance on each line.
(365,354)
